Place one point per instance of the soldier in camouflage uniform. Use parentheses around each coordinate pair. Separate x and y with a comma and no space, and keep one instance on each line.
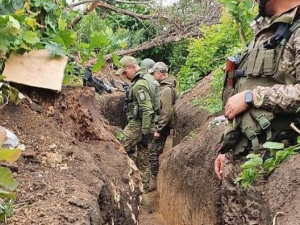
(168,97)
(140,114)
(261,105)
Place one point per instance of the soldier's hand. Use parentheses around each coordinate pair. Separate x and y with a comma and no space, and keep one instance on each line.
(145,140)
(235,105)
(219,166)
(156,135)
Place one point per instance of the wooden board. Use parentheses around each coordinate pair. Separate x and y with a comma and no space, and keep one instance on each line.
(37,69)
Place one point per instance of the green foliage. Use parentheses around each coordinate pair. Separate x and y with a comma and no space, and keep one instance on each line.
(243,13)
(119,135)
(7,183)
(212,102)
(218,42)
(8,93)
(255,167)
(192,135)
(209,52)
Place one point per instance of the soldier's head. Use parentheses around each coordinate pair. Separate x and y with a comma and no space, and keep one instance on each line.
(147,63)
(128,67)
(159,71)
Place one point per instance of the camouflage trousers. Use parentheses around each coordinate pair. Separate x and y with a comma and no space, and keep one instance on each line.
(240,206)
(134,149)
(156,150)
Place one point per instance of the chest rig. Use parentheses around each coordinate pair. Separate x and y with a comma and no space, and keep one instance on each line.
(131,104)
(260,66)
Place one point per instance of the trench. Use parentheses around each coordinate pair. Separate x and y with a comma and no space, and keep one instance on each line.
(187,193)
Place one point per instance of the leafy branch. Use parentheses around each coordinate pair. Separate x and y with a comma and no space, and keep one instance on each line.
(255,167)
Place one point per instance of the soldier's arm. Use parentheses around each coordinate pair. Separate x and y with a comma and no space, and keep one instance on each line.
(145,105)
(282,98)
(166,99)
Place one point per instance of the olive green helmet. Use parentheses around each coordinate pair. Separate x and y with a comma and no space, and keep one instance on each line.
(147,63)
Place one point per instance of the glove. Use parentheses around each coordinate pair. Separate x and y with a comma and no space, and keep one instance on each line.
(145,139)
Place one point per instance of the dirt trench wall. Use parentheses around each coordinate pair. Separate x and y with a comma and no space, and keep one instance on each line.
(282,193)
(73,170)
(189,192)
(112,109)
(187,117)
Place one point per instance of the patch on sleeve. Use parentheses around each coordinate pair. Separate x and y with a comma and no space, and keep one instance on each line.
(142,95)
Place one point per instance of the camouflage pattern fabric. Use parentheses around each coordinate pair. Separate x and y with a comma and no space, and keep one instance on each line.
(245,206)
(282,98)
(168,96)
(156,150)
(138,153)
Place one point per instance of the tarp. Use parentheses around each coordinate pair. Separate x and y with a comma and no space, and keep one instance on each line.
(37,69)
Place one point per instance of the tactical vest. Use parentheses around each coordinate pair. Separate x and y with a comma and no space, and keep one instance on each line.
(154,95)
(259,66)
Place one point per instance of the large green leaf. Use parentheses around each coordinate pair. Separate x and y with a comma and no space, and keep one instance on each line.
(7,194)
(68,37)
(4,44)
(100,62)
(10,155)
(115,59)
(13,26)
(17,4)
(55,49)
(6,179)
(62,24)
(273,145)
(98,40)
(30,37)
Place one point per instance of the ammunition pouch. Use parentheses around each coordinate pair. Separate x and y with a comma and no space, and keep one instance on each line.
(229,139)
(135,112)
(253,123)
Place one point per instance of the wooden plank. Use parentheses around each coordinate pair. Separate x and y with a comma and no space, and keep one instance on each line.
(37,69)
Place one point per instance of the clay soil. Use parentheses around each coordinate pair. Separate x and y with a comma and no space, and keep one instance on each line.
(73,170)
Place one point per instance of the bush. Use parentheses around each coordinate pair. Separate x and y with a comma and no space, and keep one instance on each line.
(207,53)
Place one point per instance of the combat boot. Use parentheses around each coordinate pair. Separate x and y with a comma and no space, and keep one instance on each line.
(152,184)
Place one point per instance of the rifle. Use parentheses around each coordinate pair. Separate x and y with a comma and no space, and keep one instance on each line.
(89,80)
(231,66)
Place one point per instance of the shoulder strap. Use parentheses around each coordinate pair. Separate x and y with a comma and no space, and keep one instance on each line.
(283,33)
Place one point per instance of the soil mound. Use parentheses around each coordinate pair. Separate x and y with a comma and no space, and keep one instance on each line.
(73,170)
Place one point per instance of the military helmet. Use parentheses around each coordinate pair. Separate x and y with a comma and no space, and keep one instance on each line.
(147,63)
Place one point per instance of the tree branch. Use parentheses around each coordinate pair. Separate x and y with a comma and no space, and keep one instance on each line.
(104,5)
(117,1)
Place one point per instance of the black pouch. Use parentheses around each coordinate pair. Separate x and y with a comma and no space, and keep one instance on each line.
(287,137)
(229,139)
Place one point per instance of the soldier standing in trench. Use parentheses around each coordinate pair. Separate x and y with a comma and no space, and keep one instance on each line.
(140,111)
(261,96)
(168,96)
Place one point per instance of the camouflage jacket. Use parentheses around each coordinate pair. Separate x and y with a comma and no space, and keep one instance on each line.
(139,95)
(168,96)
(281,98)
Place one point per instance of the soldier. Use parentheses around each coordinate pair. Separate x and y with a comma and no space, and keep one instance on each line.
(147,63)
(261,96)
(141,111)
(168,97)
